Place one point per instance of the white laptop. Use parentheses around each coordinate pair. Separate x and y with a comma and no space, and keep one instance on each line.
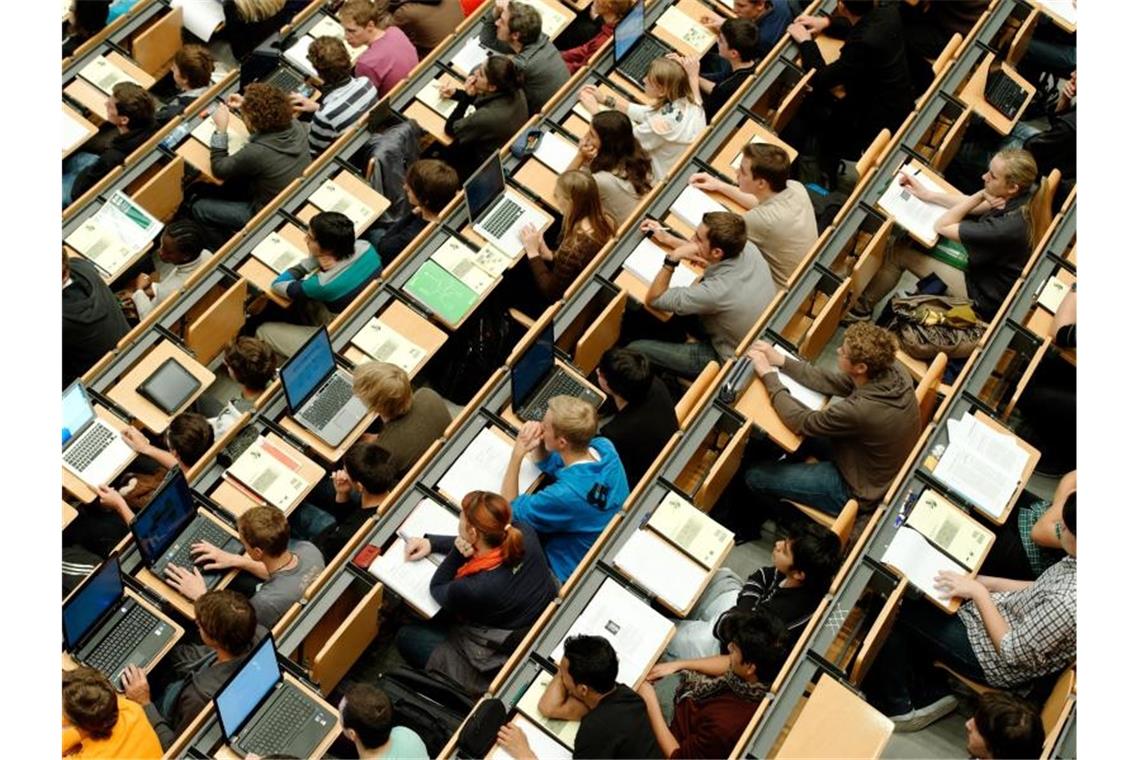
(497,212)
(92,449)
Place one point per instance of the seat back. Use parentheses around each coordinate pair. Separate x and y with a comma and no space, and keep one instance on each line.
(926,393)
(687,406)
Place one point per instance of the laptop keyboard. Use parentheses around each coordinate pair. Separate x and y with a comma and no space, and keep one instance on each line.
(205,530)
(505,215)
(561,384)
(124,638)
(87,449)
(331,399)
(284,79)
(1004,94)
(636,64)
(289,713)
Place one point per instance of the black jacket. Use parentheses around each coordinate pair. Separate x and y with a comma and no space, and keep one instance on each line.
(93,320)
(122,145)
(640,431)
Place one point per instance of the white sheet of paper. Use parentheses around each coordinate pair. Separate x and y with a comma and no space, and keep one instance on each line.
(806,396)
(541,743)
(1066,9)
(481,467)
(429,518)
(920,562)
(73,131)
(692,204)
(385,344)
(238,135)
(702,537)
(566,731)
(327,26)
(277,253)
(430,97)
(493,261)
(411,580)
(917,217)
(954,531)
(1053,291)
(756,140)
(298,54)
(644,262)
(458,259)
(332,197)
(104,74)
(983,465)
(200,17)
(470,56)
(581,110)
(662,569)
(636,631)
(127,221)
(259,470)
(682,26)
(555,151)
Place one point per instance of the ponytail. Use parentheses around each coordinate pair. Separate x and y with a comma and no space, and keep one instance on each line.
(513,550)
(490,514)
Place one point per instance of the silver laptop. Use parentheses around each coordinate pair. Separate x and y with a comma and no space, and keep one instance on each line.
(497,212)
(92,449)
(319,393)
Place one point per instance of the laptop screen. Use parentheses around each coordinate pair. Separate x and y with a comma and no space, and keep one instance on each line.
(248,687)
(532,367)
(308,368)
(100,592)
(164,517)
(484,187)
(629,30)
(77,411)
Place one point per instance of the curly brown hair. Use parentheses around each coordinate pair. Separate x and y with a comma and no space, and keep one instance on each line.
(266,108)
(871,345)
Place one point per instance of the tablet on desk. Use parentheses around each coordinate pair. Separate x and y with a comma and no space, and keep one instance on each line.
(170,386)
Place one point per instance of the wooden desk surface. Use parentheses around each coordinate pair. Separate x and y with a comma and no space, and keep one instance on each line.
(536,177)
(695,11)
(973,94)
(69,514)
(1049,9)
(72,483)
(95,100)
(258,273)
(226,753)
(863,730)
(89,130)
(1040,319)
(197,153)
(744,134)
(429,120)
(576,125)
(70,664)
(326,452)
(357,188)
(756,405)
(238,500)
(125,392)
(409,323)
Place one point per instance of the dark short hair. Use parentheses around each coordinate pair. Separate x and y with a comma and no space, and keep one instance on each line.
(369,464)
(265,528)
(434,183)
(89,701)
(252,362)
(769,163)
(368,712)
(187,238)
(591,661)
(741,35)
(1010,726)
(628,373)
(228,618)
(726,232)
(1069,513)
(133,102)
(334,234)
(763,640)
(503,74)
(815,552)
(525,21)
(196,65)
(189,437)
(330,58)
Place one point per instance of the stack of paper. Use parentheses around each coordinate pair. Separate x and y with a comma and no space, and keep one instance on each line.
(277,253)
(332,197)
(430,97)
(459,260)
(662,569)
(104,74)
(555,151)
(384,344)
(645,262)
(806,396)
(235,130)
(915,216)
(981,464)
(541,743)
(482,465)
(270,473)
(690,529)
(692,204)
(73,131)
(470,56)
(411,580)
(201,17)
(685,28)
(756,140)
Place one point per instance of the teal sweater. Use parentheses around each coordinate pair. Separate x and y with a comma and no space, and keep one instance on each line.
(335,288)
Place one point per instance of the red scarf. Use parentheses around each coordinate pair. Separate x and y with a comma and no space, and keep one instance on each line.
(488,561)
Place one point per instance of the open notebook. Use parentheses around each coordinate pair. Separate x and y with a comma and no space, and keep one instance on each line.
(412,580)
(270,473)
(482,465)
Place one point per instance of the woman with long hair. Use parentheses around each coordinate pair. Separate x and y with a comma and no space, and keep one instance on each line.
(620,166)
(495,91)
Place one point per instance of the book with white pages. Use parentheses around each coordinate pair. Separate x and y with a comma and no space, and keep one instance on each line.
(201,17)
(555,151)
(385,344)
(328,26)
(645,261)
(951,529)
(675,578)
(920,561)
(411,580)
(492,261)
(470,56)
(116,232)
(811,399)
(332,197)
(553,19)
(691,530)
(100,246)
(270,473)
(429,517)
(236,132)
(565,731)
(916,216)
(541,743)
(637,632)
(685,28)
(1052,292)
(430,97)
(277,253)
(692,205)
(582,111)
(459,260)
(756,140)
(482,465)
(982,465)
(104,74)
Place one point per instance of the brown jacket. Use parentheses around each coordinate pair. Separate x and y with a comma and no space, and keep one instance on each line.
(872,428)
(427,23)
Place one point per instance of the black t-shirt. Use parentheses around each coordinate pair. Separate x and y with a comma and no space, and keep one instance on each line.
(618,727)
(793,605)
(640,431)
(998,246)
(724,90)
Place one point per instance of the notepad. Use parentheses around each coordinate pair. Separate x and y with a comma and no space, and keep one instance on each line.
(277,253)
(482,465)
(270,473)
(332,197)
(645,261)
(430,97)
(692,205)
(493,261)
(429,517)
(915,216)
(983,465)
(951,529)
(555,151)
(1052,293)
(411,580)
(104,74)
(756,140)
(236,132)
(662,569)
(100,246)
(565,731)
(811,399)
(439,291)
(459,260)
(470,56)
(201,17)
(385,344)
(691,530)
(542,744)
(637,632)
(1065,9)
(553,19)
(687,29)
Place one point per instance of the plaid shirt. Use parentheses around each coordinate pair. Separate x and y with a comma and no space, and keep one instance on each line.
(1042,635)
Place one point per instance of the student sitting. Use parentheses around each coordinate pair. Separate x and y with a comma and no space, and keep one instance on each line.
(667,127)
(733,291)
(1029,540)
(366,720)
(192,71)
(93,320)
(871,423)
(227,624)
(183,247)
(614,719)
(585,231)
(927,29)
(736,44)
(1005,634)
(248,23)
(998,240)
(1004,726)
(780,220)
(390,55)
(515,29)
(426,23)
(621,167)
(409,423)
(130,111)
(645,418)
(1048,406)
(344,98)
(429,186)
(284,568)
(770,17)
(609,12)
(277,153)
(85,19)
(494,579)
(718,695)
(97,723)
(803,564)
(589,487)
(338,268)
(252,364)
(495,90)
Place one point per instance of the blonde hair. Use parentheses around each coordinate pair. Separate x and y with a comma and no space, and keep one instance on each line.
(258,10)
(573,419)
(1021,170)
(363,11)
(580,188)
(670,76)
(384,388)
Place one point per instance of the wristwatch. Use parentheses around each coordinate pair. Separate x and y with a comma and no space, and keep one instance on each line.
(608,101)
(669,263)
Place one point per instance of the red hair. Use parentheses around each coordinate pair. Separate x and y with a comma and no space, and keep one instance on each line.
(490,514)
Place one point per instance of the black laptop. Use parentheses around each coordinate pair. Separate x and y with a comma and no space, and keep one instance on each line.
(634,50)
(535,379)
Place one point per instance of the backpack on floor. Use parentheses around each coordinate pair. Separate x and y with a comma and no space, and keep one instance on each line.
(430,704)
(927,324)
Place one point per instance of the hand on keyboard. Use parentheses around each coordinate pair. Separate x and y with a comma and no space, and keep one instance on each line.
(190,584)
(210,557)
(135,686)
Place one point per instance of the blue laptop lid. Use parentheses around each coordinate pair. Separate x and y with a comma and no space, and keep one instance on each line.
(165,516)
(484,187)
(246,689)
(307,369)
(101,591)
(629,30)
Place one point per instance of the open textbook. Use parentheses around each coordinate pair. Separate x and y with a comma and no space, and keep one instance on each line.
(459,260)
(236,132)
(683,27)
(691,530)
(915,216)
(982,464)
(555,151)
(430,96)
(332,197)
(385,344)
(277,253)
(692,205)
(270,473)
(113,234)
(412,580)
(482,465)
(104,74)
(470,56)
(565,731)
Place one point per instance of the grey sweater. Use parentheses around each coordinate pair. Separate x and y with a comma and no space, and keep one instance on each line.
(542,66)
(269,162)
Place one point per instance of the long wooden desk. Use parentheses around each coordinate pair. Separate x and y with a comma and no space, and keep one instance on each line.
(126,393)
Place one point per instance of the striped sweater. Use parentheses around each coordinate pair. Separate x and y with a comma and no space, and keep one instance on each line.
(335,287)
(339,109)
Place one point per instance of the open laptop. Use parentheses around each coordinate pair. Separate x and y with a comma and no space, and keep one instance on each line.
(634,50)
(319,393)
(498,213)
(166,528)
(261,713)
(92,449)
(108,631)
(535,380)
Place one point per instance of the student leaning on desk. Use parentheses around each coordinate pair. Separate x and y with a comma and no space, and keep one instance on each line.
(515,29)
(621,167)
(495,90)
(130,111)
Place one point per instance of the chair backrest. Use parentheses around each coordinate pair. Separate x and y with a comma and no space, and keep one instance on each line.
(1020,43)
(722,470)
(826,323)
(1041,204)
(947,55)
(154,48)
(688,403)
(791,103)
(845,522)
(877,635)
(161,194)
(951,141)
(870,157)
(601,334)
(207,335)
(1057,708)
(871,259)
(926,392)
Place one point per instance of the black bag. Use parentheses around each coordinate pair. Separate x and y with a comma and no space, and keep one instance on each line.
(430,704)
(926,325)
(478,349)
(482,728)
